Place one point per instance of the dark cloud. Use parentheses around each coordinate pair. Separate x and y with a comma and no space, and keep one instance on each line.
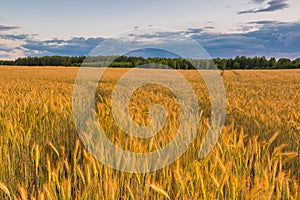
(161,34)
(194,30)
(209,27)
(229,45)
(274,5)
(7,28)
(263,22)
(281,37)
(72,47)
(258,1)
(14,37)
(272,39)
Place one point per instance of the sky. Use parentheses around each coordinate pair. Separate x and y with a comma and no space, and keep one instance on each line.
(224,28)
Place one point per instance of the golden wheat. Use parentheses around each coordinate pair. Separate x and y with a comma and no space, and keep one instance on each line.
(257,156)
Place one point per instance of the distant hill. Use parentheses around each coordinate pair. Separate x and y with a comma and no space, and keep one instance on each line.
(152,53)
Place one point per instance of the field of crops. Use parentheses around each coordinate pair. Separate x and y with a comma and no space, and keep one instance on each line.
(42,157)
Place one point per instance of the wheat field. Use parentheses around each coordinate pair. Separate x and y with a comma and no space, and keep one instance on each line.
(256,157)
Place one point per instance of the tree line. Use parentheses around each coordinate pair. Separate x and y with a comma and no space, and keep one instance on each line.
(46,61)
(239,62)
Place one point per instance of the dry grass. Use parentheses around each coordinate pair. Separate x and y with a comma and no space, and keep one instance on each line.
(257,156)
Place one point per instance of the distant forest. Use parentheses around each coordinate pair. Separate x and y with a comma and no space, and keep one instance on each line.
(239,62)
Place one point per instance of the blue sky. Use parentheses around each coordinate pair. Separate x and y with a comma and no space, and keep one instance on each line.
(224,28)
